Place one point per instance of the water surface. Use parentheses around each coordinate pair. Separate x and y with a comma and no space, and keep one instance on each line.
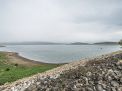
(60,53)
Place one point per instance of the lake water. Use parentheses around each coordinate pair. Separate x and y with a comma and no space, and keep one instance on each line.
(60,53)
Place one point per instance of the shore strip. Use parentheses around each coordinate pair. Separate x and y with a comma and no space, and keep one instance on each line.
(24,83)
(14,57)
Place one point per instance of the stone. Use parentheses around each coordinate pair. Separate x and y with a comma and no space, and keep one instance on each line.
(119,67)
(89,89)
(99,87)
(91,82)
(88,74)
(113,89)
(104,86)
(79,85)
(114,84)
(82,89)
(109,78)
(86,80)
(121,80)
(119,89)
(118,73)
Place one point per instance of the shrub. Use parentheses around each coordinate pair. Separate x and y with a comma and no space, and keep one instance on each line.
(120,42)
(7,69)
(16,64)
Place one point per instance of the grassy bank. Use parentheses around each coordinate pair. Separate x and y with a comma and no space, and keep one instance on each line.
(11,71)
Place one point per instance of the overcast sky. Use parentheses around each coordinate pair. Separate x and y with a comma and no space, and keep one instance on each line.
(60,20)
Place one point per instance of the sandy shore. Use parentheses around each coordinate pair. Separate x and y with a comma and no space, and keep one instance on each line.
(15,58)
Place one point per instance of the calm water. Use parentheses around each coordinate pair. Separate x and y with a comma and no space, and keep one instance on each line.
(60,53)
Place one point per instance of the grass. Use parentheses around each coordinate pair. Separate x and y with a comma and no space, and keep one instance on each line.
(12,72)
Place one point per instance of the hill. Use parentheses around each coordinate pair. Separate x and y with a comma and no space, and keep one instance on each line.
(79,43)
(106,43)
(31,43)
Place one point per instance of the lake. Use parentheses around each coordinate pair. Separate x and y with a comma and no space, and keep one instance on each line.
(60,53)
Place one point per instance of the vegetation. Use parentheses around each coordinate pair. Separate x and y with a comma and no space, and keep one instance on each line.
(120,42)
(11,72)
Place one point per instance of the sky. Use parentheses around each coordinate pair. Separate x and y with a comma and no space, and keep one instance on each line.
(60,20)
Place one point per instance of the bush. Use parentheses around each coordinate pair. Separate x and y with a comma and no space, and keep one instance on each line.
(120,42)
(7,69)
(16,64)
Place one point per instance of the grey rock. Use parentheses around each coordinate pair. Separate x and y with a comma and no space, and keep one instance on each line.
(118,73)
(79,85)
(104,86)
(88,74)
(91,82)
(99,88)
(119,89)
(121,80)
(109,78)
(114,84)
(89,89)
(86,80)
(119,67)
(82,89)
(113,89)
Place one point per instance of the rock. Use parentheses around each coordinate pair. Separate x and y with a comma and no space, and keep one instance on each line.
(86,80)
(91,82)
(79,85)
(89,89)
(82,89)
(119,89)
(114,84)
(88,74)
(121,80)
(104,86)
(118,73)
(109,78)
(110,72)
(119,67)
(113,89)
(99,88)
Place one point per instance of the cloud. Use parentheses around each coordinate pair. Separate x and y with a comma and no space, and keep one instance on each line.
(60,20)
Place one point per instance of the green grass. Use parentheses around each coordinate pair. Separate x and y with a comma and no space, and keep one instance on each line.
(10,72)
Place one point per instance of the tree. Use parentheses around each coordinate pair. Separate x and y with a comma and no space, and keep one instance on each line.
(120,42)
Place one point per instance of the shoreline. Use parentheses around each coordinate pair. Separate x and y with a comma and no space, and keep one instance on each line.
(17,57)
(56,72)
(26,59)
(20,58)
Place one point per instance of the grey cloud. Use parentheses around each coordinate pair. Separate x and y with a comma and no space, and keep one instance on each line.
(60,20)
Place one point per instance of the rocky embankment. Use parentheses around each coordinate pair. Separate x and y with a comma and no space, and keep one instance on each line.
(99,74)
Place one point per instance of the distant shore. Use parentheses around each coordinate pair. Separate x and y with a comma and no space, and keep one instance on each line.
(2,46)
